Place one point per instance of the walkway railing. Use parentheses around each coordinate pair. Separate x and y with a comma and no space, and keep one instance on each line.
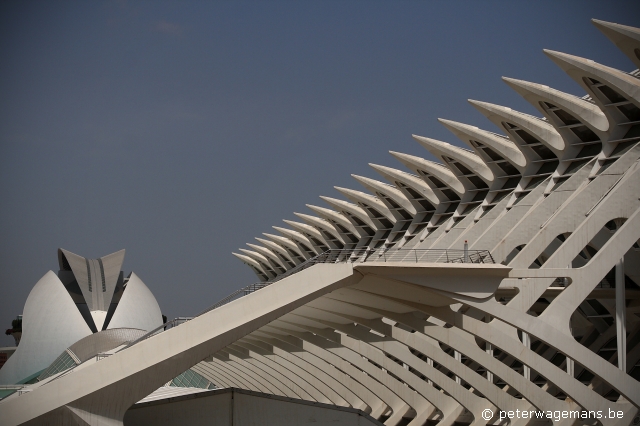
(360,255)
(404,255)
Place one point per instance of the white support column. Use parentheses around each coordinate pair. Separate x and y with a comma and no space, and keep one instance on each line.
(570,367)
(430,362)
(621,317)
(570,363)
(458,357)
(489,349)
(466,251)
(526,341)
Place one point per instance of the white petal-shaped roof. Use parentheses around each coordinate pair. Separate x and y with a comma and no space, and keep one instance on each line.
(469,159)
(300,240)
(346,206)
(443,173)
(283,242)
(412,181)
(256,266)
(540,129)
(51,323)
(137,308)
(267,253)
(304,228)
(262,261)
(248,261)
(276,248)
(503,146)
(578,67)
(260,258)
(387,190)
(320,223)
(367,199)
(583,110)
(294,235)
(334,216)
(626,38)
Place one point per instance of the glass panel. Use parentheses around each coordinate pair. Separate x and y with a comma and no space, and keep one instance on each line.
(623,147)
(492,154)
(535,182)
(543,152)
(590,151)
(559,182)
(508,168)
(479,183)
(548,167)
(631,111)
(413,193)
(450,194)
(405,214)
(527,137)
(611,94)
(565,117)
(437,182)
(386,223)
(633,132)
(585,134)
(463,169)
(191,379)
(511,183)
(499,196)
(480,196)
(606,165)
(426,205)
(62,363)
(469,208)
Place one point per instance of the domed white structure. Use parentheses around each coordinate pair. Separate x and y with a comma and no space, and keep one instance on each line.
(85,296)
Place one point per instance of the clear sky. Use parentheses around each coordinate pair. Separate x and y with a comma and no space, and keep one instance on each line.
(181,130)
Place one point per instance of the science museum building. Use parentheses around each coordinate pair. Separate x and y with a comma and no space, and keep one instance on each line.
(497,285)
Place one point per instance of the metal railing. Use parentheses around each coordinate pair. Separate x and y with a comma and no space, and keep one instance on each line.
(167,325)
(360,255)
(403,255)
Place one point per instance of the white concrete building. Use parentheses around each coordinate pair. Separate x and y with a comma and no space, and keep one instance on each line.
(498,286)
(85,297)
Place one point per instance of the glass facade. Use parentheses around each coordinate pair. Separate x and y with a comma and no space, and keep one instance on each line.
(191,379)
(62,363)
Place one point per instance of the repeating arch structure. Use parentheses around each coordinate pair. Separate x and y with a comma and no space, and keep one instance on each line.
(553,197)
(551,328)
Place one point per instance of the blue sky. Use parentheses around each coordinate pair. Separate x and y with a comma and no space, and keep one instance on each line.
(182,130)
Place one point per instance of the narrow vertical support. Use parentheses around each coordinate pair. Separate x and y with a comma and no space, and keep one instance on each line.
(489,349)
(406,367)
(466,251)
(570,367)
(458,357)
(429,362)
(621,317)
(570,363)
(526,341)
(232,407)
